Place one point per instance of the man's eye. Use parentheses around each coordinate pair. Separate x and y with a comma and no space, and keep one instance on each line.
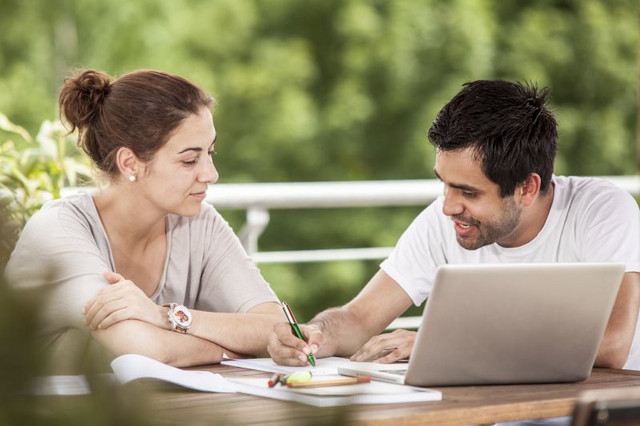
(469,194)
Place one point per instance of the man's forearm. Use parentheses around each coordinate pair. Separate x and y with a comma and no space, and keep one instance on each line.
(620,330)
(342,330)
(352,325)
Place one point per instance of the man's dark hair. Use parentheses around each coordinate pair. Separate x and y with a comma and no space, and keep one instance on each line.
(510,127)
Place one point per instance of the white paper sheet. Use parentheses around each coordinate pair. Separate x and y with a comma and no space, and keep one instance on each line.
(324,366)
(133,367)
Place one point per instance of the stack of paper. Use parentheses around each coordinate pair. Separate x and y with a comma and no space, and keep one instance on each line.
(324,366)
(363,393)
(134,367)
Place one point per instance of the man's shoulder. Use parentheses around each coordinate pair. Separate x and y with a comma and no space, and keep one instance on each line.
(584,182)
(593,195)
(589,189)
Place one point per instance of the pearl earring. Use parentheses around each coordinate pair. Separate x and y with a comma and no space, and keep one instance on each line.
(132,178)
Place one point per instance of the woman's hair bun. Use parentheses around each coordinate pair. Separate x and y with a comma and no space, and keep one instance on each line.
(82,97)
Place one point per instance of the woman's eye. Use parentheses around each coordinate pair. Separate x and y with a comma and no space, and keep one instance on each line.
(190,162)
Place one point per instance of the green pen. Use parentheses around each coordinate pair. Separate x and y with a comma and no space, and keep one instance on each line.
(296,330)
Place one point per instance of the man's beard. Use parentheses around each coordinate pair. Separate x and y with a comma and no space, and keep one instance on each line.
(494,231)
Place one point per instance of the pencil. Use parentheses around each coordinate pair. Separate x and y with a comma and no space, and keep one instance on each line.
(275,379)
(330,382)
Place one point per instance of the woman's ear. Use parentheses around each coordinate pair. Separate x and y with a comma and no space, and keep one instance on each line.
(128,164)
(529,190)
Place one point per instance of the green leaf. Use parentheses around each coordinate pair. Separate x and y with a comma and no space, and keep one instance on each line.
(8,126)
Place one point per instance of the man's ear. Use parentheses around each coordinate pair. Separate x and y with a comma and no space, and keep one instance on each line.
(529,190)
(128,163)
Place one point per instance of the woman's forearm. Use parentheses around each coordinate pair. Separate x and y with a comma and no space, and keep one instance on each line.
(169,347)
(245,333)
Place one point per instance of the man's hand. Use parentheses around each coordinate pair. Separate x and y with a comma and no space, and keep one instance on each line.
(122,300)
(287,349)
(387,348)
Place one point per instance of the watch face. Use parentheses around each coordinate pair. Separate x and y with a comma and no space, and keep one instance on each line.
(182,316)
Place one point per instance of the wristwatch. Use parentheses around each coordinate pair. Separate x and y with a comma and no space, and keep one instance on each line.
(179,316)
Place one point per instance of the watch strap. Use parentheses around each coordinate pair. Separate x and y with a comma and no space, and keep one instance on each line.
(172,316)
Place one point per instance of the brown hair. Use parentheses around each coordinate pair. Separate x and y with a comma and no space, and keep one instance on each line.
(138,110)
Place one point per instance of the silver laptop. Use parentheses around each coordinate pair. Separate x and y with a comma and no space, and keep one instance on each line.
(507,324)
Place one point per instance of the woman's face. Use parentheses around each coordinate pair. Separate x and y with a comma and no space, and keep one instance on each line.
(176,179)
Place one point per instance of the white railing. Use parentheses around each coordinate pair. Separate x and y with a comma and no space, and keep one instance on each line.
(258,198)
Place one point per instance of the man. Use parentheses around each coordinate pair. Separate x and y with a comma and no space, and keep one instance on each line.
(495,147)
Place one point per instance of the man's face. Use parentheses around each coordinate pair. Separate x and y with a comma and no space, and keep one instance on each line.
(480,216)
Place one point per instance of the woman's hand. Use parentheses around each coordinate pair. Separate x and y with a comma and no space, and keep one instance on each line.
(122,300)
(387,347)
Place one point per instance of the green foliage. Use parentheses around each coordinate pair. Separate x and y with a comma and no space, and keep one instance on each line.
(37,172)
(587,52)
(325,90)
(335,89)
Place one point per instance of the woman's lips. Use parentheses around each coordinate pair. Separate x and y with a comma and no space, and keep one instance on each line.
(199,195)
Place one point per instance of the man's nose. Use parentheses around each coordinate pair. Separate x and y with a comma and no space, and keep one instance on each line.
(452,204)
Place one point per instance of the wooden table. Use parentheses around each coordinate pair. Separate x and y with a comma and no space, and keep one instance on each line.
(460,405)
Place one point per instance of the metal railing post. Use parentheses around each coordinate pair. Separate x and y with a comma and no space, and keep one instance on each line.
(257,221)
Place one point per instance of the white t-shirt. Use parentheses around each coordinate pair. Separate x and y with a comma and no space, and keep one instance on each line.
(64,244)
(591,220)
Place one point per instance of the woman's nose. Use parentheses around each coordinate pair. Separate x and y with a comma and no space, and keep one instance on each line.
(209,173)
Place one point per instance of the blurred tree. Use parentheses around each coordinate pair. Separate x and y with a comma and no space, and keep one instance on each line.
(586,52)
(339,89)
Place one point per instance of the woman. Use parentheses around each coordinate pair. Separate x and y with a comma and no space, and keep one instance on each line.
(143,263)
